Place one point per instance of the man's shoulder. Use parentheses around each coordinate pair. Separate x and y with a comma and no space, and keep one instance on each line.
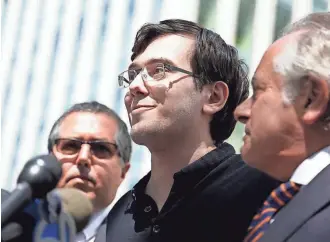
(316,228)
(125,200)
(235,166)
(122,202)
(305,218)
(235,176)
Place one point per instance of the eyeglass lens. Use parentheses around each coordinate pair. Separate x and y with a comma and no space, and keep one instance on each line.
(154,70)
(100,149)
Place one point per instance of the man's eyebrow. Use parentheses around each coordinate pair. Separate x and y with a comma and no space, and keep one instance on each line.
(161,60)
(135,65)
(101,139)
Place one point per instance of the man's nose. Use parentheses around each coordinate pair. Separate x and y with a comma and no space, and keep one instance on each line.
(84,156)
(137,86)
(243,111)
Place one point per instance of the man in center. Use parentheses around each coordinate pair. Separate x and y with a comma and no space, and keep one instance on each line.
(183,85)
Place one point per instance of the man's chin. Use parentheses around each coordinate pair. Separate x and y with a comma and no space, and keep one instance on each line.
(89,193)
(91,196)
(85,188)
(139,134)
(82,187)
(247,155)
(251,159)
(244,151)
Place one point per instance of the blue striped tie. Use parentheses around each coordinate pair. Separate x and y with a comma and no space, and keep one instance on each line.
(277,199)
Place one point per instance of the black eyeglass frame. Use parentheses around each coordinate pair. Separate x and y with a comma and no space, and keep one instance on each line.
(89,142)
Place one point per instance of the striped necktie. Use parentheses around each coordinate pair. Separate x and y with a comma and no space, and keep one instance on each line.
(277,199)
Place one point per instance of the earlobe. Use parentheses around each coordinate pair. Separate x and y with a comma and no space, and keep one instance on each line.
(217,98)
(317,100)
(125,169)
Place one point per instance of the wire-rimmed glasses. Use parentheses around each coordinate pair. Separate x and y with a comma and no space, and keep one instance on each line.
(155,71)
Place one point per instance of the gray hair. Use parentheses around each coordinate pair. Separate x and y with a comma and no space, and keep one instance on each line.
(313,21)
(122,137)
(307,54)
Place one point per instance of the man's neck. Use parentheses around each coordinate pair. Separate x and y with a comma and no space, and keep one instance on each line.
(302,149)
(166,162)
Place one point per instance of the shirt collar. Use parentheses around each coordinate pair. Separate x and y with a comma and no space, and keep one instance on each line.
(311,167)
(194,172)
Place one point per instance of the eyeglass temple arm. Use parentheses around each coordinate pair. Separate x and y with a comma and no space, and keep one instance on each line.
(174,68)
(122,79)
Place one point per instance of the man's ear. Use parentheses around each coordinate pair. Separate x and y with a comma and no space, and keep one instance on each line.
(217,96)
(125,169)
(316,99)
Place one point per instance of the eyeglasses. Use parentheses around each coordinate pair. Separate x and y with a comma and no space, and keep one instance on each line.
(71,147)
(156,71)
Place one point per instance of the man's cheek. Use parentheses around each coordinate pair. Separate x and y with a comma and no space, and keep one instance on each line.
(128,102)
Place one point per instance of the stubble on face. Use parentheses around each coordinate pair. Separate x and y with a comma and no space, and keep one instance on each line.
(175,98)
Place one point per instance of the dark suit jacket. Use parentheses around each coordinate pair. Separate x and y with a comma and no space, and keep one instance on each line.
(306,218)
(101,232)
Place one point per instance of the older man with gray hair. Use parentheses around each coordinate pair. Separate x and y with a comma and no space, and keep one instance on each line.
(288,137)
(317,20)
(94,147)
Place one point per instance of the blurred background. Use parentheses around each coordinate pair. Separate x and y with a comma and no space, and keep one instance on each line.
(59,52)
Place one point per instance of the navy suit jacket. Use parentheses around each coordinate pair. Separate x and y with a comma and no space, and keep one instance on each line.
(306,218)
(101,232)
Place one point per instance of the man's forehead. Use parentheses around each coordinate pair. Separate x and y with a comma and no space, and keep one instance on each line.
(265,70)
(266,65)
(174,47)
(282,43)
(89,123)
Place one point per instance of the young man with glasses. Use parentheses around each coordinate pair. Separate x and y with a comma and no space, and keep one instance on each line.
(184,83)
(94,147)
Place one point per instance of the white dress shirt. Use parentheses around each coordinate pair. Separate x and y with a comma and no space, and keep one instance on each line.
(311,167)
(88,234)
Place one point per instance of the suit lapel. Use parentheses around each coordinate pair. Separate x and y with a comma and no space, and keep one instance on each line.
(101,232)
(304,205)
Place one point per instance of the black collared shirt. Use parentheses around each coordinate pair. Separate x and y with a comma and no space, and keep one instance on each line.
(212,199)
